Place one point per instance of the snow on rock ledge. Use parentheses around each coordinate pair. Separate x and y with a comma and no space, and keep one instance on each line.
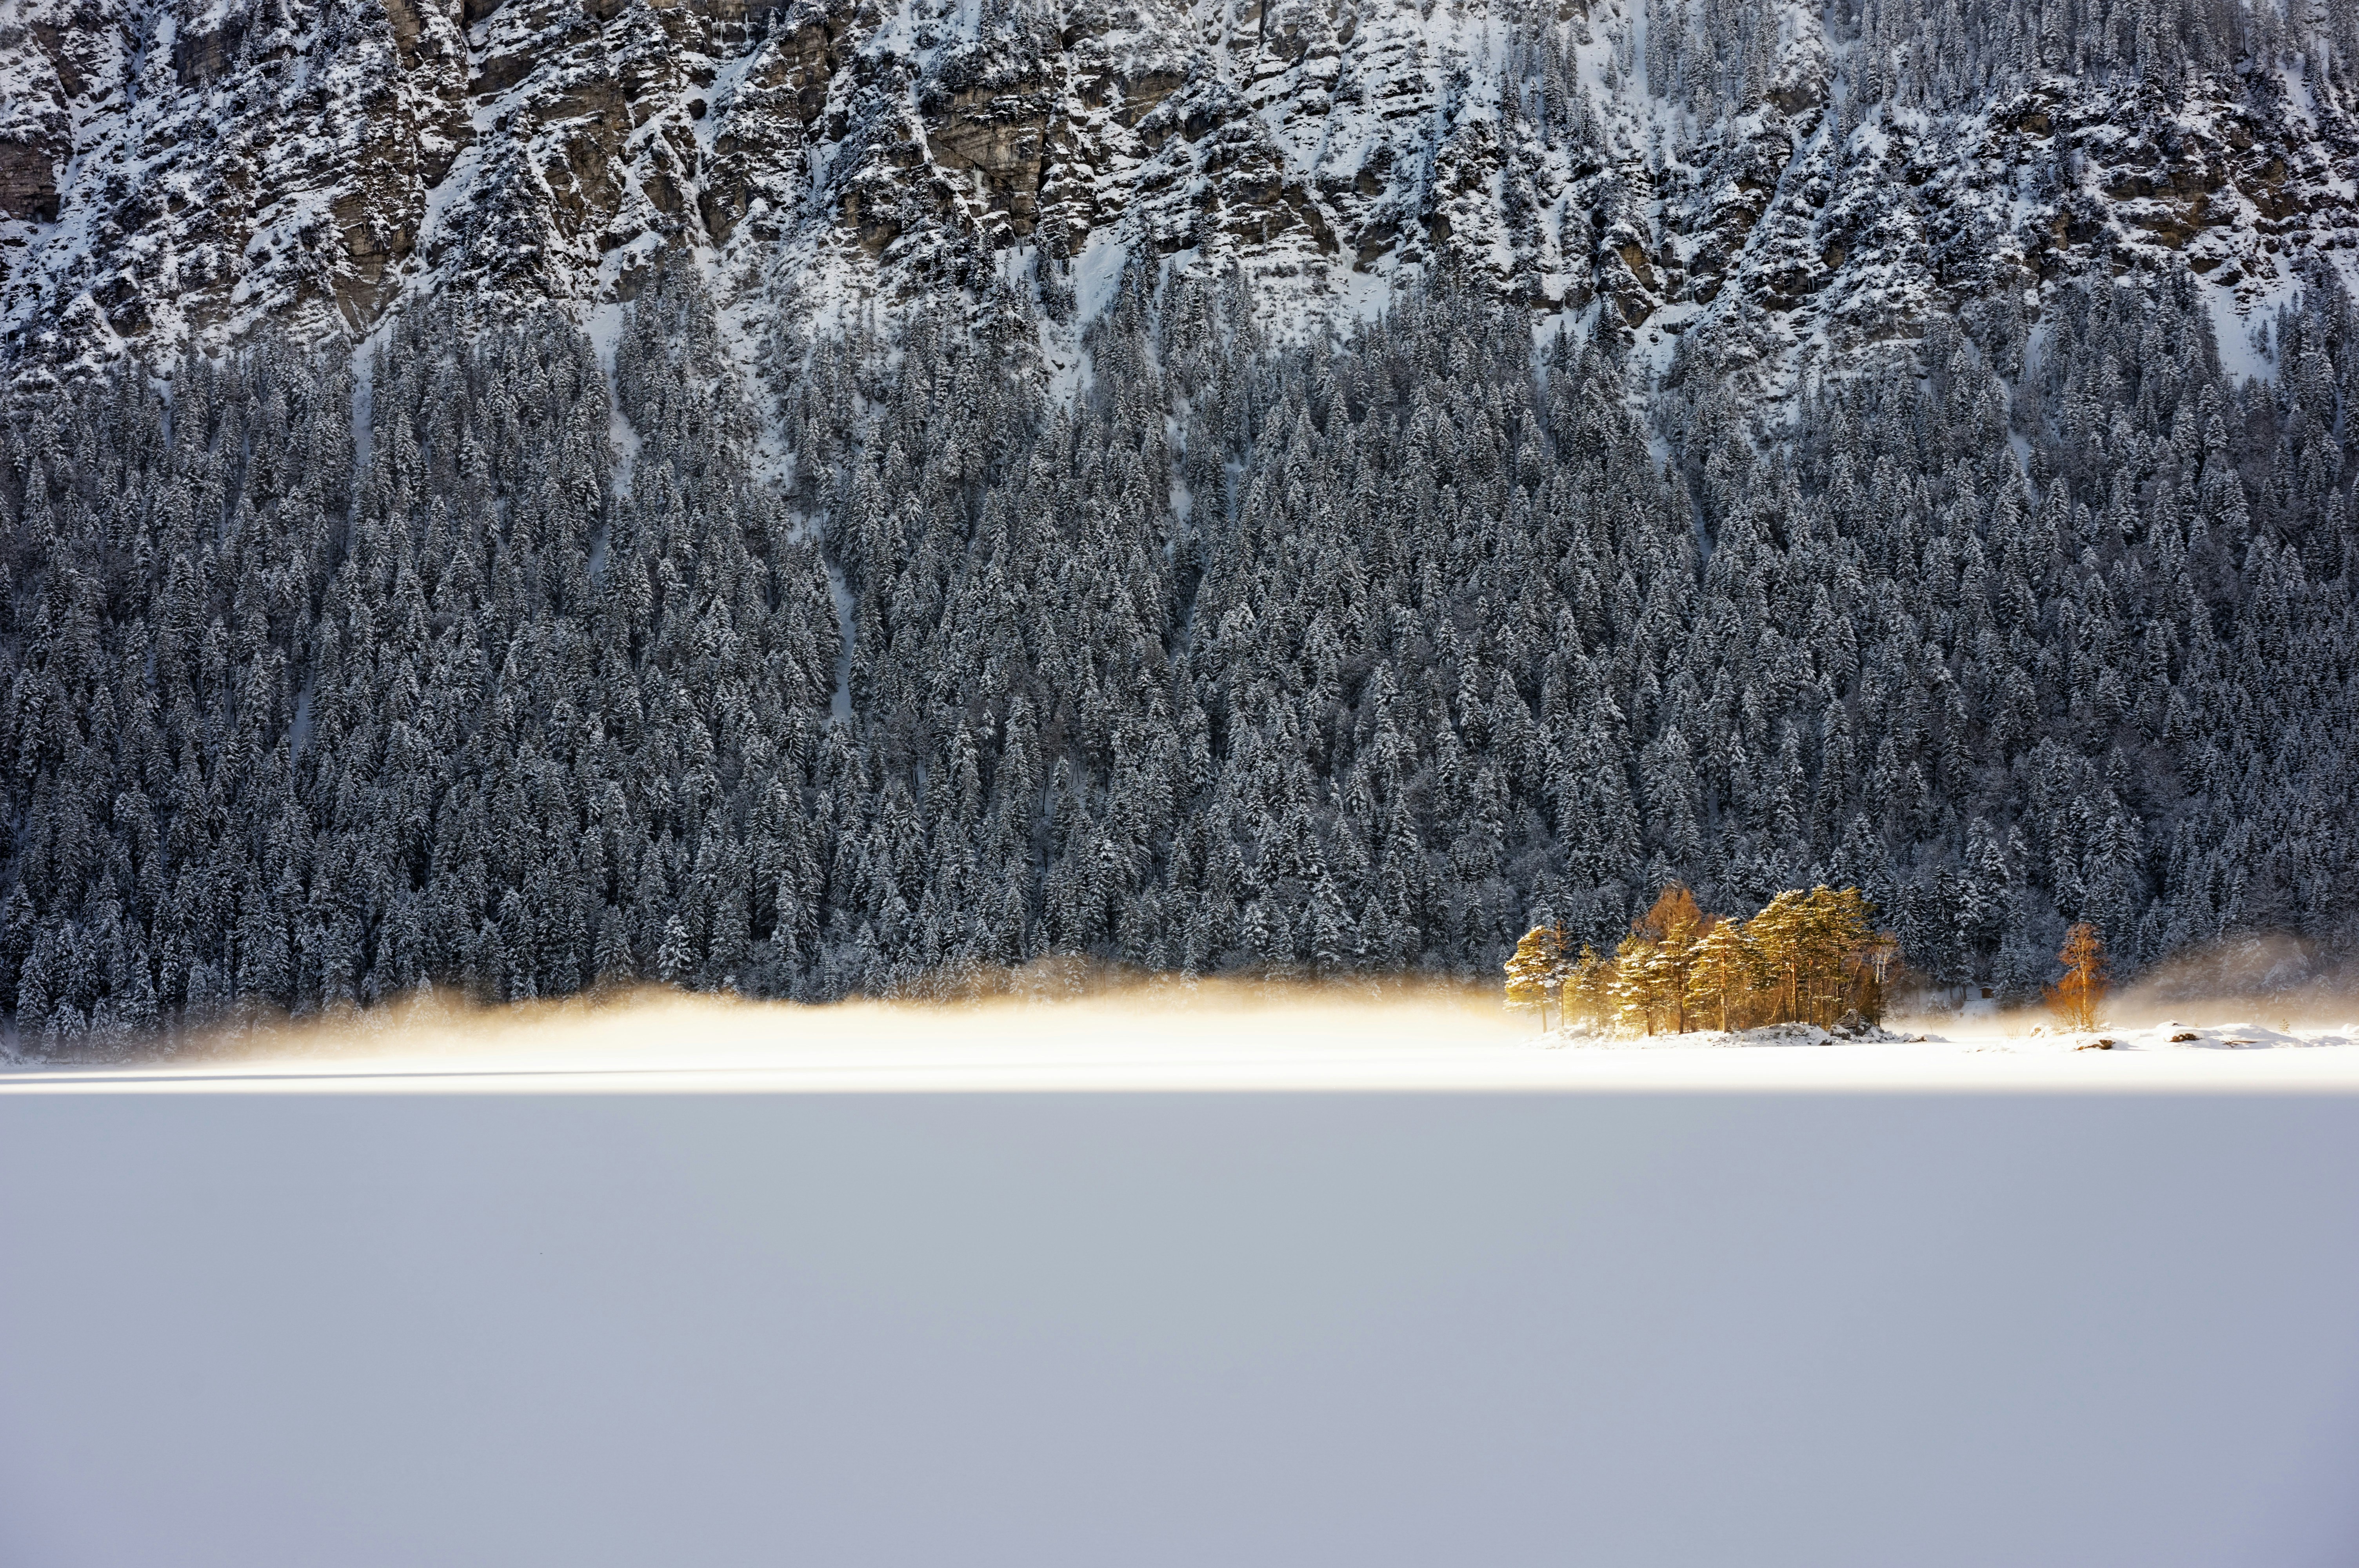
(1768,180)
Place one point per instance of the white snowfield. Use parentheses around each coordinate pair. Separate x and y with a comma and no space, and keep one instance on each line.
(1127,1286)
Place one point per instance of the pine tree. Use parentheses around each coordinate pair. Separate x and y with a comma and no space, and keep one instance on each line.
(1534,972)
(1722,973)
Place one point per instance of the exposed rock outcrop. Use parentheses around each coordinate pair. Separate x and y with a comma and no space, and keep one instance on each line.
(182,171)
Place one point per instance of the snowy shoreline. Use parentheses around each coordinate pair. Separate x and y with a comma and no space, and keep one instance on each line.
(684,1044)
(2030,1038)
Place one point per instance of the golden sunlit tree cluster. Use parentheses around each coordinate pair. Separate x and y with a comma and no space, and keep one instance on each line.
(1806,957)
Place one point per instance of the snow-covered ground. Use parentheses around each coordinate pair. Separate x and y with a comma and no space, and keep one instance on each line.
(1191,1036)
(1931,1038)
(1139,1285)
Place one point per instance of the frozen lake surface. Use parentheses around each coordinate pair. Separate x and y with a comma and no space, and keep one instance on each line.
(1276,1293)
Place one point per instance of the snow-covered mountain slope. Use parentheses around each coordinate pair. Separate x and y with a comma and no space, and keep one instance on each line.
(183,171)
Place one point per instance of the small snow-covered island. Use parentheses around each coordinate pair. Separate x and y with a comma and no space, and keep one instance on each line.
(1807,958)
(1812,968)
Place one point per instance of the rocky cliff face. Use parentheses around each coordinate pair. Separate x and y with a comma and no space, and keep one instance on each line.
(1790,183)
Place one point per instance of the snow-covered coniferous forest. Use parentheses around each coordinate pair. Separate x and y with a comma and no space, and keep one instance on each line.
(1767,473)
